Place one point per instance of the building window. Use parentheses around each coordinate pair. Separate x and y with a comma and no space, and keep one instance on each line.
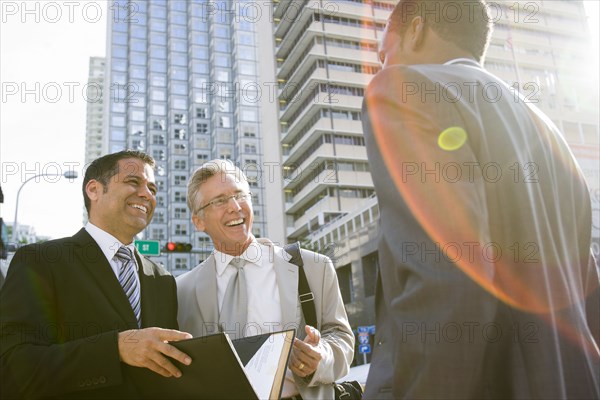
(180,180)
(180,263)
(180,213)
(180,165)
(158,139)
(179,133)
(158,155)
(158,124)
(201,112)
(158,234)
(224,122)
(180,229)
(179,119)
(159,217)
(201,128)
(179,197)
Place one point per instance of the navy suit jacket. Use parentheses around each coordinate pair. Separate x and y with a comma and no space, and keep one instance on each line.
(487,283)
(61,309)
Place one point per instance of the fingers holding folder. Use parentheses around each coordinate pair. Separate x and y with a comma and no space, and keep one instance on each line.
(149,348)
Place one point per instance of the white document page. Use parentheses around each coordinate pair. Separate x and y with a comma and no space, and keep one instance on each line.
(262,367)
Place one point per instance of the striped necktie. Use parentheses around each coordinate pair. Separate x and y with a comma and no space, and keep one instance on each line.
(129,282)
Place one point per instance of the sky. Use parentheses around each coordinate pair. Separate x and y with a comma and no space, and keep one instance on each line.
(45,48)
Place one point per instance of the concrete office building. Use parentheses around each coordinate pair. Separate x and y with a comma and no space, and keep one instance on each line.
(182,78)
(326,55)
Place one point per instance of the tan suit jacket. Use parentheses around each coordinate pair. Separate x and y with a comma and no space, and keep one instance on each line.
(199,315)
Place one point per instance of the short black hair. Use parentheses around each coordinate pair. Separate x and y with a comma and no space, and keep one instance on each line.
(465,23)
(105,167)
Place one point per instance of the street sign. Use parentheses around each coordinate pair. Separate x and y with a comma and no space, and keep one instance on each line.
(363,338)
(363,329)
(364,348)
(148,247)
(372,329)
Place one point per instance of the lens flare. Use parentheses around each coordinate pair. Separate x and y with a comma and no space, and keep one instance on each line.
(452,138)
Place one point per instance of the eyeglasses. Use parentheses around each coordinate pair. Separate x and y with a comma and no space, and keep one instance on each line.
(222,201)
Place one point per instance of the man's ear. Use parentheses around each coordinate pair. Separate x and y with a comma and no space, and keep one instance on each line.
(93,189)
(198,222)
(417,30)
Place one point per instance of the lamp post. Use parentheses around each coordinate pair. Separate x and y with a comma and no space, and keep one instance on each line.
(67,174)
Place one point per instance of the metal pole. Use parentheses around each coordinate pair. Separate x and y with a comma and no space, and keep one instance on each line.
(14,229)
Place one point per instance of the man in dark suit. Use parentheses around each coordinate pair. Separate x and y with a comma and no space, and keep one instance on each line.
(74,311)
(487,285)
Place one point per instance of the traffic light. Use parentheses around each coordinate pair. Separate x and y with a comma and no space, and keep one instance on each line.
(177,247)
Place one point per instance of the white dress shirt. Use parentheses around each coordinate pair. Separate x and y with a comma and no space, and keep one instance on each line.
(264,307)
(109,246)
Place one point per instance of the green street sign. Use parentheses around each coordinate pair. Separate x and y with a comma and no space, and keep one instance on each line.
(148,247)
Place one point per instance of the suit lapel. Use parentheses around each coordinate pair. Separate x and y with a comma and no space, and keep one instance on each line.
(146,274)
(206,288)
(92,259)
(287,281)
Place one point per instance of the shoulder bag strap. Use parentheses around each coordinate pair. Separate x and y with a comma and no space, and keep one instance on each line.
(307,299)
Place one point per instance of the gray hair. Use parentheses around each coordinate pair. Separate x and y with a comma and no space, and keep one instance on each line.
(205,172)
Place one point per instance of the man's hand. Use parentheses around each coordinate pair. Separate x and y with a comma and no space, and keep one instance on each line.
(148,348)
(306,354)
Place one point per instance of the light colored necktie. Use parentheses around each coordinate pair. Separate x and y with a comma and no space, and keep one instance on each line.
(235,308)
(128,282)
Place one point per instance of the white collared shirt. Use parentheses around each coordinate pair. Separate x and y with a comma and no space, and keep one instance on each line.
(109,246)
(264,305)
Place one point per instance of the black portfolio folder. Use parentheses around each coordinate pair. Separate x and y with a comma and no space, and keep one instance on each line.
(222,368)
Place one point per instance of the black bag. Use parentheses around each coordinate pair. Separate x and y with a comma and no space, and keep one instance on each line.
(349,390)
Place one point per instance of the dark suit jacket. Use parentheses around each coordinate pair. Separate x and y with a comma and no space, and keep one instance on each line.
(488,287)
(61,309)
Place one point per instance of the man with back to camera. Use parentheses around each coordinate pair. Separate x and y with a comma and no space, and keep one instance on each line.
(219,200)
(487,285)
(73,311)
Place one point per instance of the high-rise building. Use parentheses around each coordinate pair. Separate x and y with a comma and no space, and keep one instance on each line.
(182,78)
(326,55)
(95,146)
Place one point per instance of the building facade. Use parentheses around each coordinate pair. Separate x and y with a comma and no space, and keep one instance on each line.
(95,145)
(182,78)
(326,54)
(277,87)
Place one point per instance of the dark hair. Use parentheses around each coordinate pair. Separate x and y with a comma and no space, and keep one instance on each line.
(465,23)
(105,167)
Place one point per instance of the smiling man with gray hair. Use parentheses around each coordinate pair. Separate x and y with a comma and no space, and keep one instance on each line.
(248,286)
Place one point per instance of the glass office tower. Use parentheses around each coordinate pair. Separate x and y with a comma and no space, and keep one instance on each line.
(180,76)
